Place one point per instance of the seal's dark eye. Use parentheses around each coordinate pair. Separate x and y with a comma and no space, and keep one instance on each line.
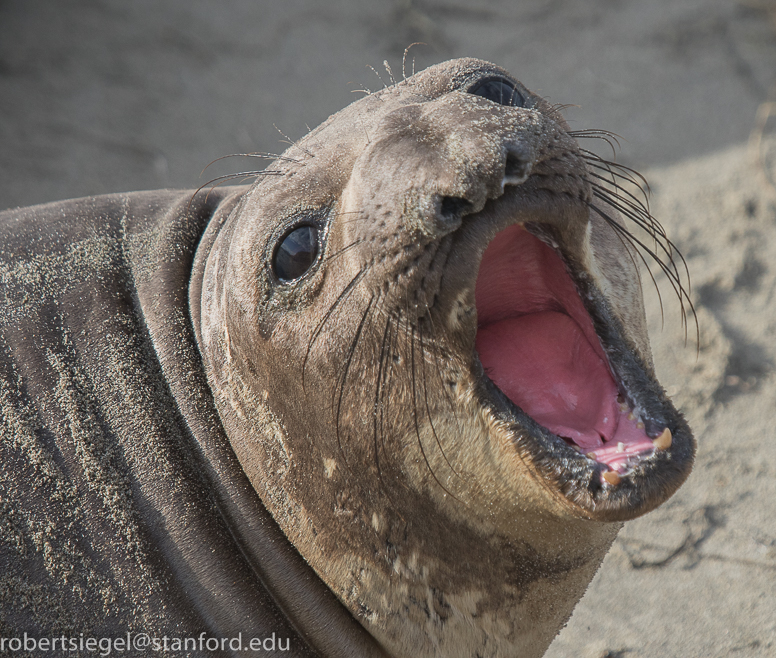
(499,90)
(295,253)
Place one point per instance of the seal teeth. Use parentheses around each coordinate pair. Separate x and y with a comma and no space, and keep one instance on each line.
(663,442)
(612,477)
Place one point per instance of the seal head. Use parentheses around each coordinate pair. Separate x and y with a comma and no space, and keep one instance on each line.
(426,339)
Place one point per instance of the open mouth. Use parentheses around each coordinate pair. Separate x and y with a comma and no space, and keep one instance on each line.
(537,343)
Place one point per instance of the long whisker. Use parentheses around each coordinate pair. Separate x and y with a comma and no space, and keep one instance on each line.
(425,398)
(392,351)
(673,279)
(344,294)
(256,154)
(617,169)
(637,204)
(664,243)
(609,187)
(383,394)
(637,210)
(638,272)
(342,251)
(607,136)
(378,410)
(411,333)
(220,180)
(348,361)
(442,380)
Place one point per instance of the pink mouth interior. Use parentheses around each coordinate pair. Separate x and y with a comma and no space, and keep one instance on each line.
(537,344)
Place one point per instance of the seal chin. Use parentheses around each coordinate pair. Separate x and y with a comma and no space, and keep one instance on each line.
(554,365)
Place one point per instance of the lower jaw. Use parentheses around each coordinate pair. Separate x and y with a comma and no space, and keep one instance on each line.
(605,429)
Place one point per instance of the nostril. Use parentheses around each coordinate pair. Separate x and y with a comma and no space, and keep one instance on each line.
(519,162)
(516,170)
(452,207)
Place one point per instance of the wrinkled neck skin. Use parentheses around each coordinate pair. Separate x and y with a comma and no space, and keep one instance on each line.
(353,396)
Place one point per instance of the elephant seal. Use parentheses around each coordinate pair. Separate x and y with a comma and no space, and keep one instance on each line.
(393,399)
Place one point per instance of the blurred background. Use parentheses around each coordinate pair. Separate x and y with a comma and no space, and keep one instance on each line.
(101,96)
(105,96)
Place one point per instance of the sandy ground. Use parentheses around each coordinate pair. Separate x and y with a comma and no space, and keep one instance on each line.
(103,96)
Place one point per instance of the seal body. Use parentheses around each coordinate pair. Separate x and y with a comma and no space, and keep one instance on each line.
(123,507)
(392,399)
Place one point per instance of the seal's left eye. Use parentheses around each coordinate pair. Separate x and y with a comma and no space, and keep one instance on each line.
(499,90)
(296,252)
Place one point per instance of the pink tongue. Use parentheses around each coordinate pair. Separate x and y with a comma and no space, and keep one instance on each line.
(545,364)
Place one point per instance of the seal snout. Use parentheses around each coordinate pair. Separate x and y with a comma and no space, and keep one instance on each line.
(448,210)
(445,158)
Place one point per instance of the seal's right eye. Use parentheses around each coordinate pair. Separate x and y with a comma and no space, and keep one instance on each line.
(499,90)
(295,253)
